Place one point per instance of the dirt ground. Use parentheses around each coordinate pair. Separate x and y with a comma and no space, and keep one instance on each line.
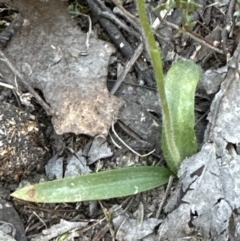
(32,151)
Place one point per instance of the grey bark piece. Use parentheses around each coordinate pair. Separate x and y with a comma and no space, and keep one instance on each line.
(6,237)
(212,79)
(77,165)
(207,198)
(44,50)
(9,215)
(59,229)
(131,228)
(54,167)
(99,149)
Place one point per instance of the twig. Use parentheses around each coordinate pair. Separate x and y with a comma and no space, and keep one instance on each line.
(164,199)
(136,85)
(230,24)
(196,37)
(40,219)
(136,153)
(26,84)
(108,226)
(7,85)
(127,68)
(191,34)
(121,24)
(204,115)
(102,233)
(114,142)
(88,35)
(119,5)
(123,14)
(129,130)
(89,227)
(117,38)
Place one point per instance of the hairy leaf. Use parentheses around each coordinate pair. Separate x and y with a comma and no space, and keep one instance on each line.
(180,87)
(102,185)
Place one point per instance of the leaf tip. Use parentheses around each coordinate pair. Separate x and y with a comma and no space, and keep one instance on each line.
(27,194)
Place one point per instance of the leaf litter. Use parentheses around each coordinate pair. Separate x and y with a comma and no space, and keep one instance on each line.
(133,227)
(207,194)
(207,169)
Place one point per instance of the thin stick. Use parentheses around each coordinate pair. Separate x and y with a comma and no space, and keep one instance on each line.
(135,25)
(22,78)
(128,67)
(120,6)
(7,85)
(136,153)
(164,199)
(196,37)
(121,24)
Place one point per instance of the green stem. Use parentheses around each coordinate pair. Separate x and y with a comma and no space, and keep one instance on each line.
(156,59)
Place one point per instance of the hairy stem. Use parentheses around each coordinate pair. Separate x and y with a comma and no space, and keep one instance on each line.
(156,59)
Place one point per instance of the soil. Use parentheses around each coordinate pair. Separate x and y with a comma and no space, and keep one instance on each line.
(24,159)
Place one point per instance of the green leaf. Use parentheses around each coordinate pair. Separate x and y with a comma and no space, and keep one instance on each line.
(160,7)
(189,5)
(103,185)
(176,94)
(156,59)
(180,87)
